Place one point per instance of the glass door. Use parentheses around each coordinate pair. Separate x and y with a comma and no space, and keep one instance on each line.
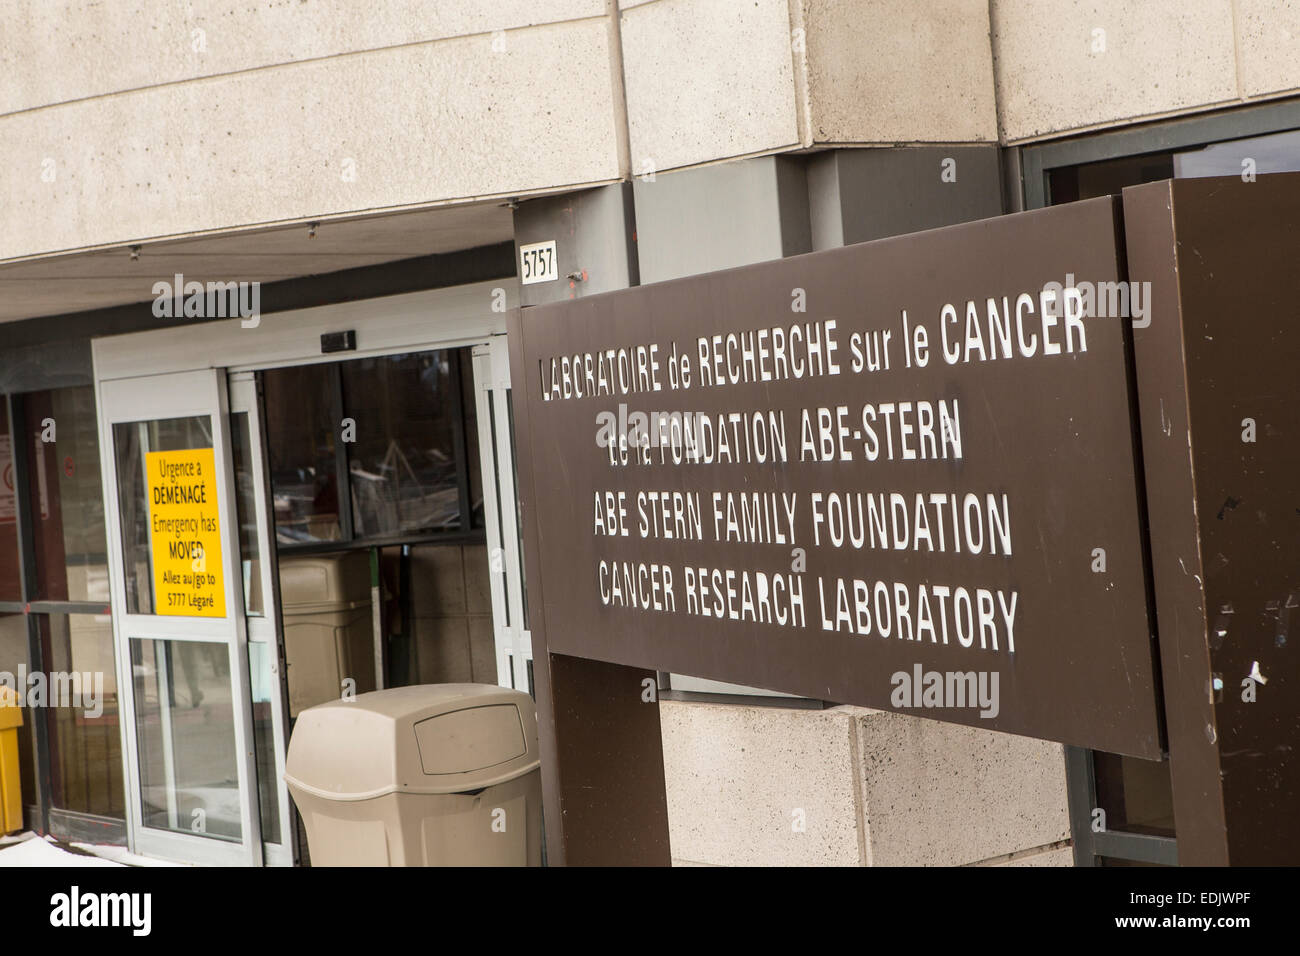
(179,625)
(514,644)
(260,582)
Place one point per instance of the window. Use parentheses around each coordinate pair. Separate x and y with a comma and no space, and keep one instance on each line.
(1278,153)
(55,619)
(13,655)
(71,558)
(246,509)
(85,743)
(373,450)
(132,443)
(403,463)
(300,426)
(1257,155)
(10,577)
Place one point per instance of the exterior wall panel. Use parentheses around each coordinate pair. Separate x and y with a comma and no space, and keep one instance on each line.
(405,126)
(1065,65)
(707,81)
(868,788)
(73,50)
(898,71)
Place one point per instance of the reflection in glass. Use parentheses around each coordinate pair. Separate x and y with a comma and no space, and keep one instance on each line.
(1137,795)
(494,415)
(475,466)
(71,550)
(14,654)
(1275,153)
(403,464)
(519,511)
(1107,177)
(300,419)
(259,669)
(185,732)
(85,742)
(132,441)
(246,507)
(10,583)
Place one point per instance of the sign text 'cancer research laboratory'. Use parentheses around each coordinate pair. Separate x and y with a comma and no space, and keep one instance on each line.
(914,455)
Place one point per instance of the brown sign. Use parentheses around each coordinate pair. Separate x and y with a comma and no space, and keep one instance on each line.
(898,474)
(1219,393)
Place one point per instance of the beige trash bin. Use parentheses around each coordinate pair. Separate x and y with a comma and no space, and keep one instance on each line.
(328,629)
(432,775)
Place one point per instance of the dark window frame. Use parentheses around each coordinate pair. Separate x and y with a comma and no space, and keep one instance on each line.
(1037,161)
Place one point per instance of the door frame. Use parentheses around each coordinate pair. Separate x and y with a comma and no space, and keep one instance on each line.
(514,642)
(267,628)
(197,393)
(454,317)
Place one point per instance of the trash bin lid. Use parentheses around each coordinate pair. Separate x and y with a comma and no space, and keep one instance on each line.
(431,738)
(324,582)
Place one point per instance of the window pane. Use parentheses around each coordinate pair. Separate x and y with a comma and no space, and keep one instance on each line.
(1277,153)
(10,583)
(71,550)
(185,731)
(519,512)
(494,416)
(250,560)
(1108,177)
(85,740)
(300,424)
(259,670)
(1137,795)
(13,655)
(403,464)
(475,466)
(132,442)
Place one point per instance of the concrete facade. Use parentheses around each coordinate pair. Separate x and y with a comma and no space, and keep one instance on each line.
(652,139)
(895,71)
(332,137)
(215,117)
(855,787)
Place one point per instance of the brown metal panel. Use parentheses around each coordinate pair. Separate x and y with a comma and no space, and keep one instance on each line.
(1175,553)
(1220,358)
(611,764)
(1053,433)
(600,742)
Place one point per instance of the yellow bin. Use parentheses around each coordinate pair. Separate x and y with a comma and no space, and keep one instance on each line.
(11,797)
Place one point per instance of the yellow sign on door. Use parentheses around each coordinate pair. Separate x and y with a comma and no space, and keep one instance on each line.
(185,533)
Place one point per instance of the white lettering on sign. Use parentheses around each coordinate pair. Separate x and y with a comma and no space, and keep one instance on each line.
(887,428)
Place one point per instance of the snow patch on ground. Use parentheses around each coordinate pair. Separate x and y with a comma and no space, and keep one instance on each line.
(34,851)
(120,854)
(28,849)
